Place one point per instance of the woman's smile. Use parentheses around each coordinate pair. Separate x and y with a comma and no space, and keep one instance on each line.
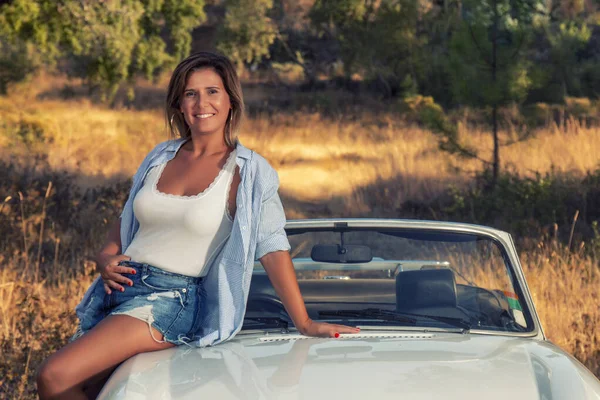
(203,116)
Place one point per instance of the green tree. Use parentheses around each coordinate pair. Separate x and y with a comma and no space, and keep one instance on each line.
(107,42)
(378,39)
(566,41)
(344,20)
(297,44)
(487,60)
(438,25)
(247,31)
(568,32)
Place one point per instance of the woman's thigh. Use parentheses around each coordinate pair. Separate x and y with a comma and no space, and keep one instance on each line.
(112,341)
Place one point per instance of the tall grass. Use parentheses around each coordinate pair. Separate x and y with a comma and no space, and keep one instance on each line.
(564,285)
(338,155)
(64,171)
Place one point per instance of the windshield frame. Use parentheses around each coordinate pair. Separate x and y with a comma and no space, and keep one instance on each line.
(502,239)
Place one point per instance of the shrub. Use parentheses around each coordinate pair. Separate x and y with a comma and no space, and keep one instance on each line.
(529,206)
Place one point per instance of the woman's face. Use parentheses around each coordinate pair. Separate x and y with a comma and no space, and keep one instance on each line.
(205,103)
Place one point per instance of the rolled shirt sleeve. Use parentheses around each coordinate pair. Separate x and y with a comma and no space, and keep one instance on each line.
(271,232)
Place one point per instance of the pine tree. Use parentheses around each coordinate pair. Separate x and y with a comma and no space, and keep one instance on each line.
(487,58)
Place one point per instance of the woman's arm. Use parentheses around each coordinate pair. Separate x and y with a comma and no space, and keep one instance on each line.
(112,244)
(280,270)
(108,259)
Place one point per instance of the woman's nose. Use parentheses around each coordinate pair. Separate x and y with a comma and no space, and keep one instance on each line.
(202,101)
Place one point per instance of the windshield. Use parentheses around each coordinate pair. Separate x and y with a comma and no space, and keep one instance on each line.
(414,279)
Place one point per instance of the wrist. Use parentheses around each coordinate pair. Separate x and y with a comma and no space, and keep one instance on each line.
(102,258)
(304,325)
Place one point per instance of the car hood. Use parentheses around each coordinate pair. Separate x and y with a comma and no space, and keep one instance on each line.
(380,365)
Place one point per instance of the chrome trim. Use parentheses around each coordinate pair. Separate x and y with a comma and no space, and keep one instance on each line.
(504,333)
(392,223)
(527,292)
(412,329)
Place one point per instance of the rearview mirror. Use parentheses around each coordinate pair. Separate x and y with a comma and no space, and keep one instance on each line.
(334,253)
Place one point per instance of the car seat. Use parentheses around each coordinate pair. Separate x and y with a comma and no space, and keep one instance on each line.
(428,291)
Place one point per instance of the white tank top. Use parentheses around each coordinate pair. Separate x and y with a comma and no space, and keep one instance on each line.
(182,233)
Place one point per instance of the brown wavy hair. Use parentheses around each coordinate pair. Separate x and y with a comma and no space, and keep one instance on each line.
(221,65)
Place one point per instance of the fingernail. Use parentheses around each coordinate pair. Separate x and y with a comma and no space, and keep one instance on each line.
(337,335)
(122,289)
(130,283)
(133,271)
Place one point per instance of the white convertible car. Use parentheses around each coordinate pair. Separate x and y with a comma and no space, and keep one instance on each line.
(444,312)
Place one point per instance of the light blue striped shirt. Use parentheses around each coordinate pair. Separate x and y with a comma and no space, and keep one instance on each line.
(258,229)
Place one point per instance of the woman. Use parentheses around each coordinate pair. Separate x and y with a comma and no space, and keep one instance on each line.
(176,267)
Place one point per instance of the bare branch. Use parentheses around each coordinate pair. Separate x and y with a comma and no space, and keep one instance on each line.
(482,53)
(528,134)
(454,147)
(468,153)
(287,49)
(513,56)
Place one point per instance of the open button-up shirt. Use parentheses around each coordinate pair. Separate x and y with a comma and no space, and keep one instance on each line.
(258,229)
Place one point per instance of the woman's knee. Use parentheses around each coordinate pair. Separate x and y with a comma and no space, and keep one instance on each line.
(53,378)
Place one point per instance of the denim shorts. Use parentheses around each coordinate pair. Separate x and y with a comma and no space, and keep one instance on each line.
(168,302)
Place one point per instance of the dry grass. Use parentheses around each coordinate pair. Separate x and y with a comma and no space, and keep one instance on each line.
(564,286)
(322,162)
(339,156)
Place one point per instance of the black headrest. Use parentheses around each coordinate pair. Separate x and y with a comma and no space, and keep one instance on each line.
(425,288)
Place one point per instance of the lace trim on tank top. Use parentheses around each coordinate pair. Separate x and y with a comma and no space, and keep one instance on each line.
(194,196)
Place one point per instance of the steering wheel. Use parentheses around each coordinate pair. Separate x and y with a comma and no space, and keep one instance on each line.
(493,315)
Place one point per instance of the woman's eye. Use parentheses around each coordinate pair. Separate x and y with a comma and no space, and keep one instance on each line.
(213,91)
(190,94)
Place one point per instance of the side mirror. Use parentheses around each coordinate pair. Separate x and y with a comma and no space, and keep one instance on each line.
(334,253)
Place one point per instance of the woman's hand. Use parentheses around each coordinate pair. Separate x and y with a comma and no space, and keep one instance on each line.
(110,271)
(324,329)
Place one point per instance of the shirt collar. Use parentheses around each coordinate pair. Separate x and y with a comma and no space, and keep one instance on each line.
(242,151)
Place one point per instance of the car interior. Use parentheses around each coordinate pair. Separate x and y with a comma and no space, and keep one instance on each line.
(422,287)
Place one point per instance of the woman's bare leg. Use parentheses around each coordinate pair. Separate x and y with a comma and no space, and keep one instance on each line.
(94,385)
(116,338)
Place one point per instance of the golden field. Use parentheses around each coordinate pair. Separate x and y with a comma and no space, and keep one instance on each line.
(358,165)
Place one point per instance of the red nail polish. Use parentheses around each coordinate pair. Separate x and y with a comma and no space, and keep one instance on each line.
(133,271)
(130,283)
(122,289)
(337,335)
